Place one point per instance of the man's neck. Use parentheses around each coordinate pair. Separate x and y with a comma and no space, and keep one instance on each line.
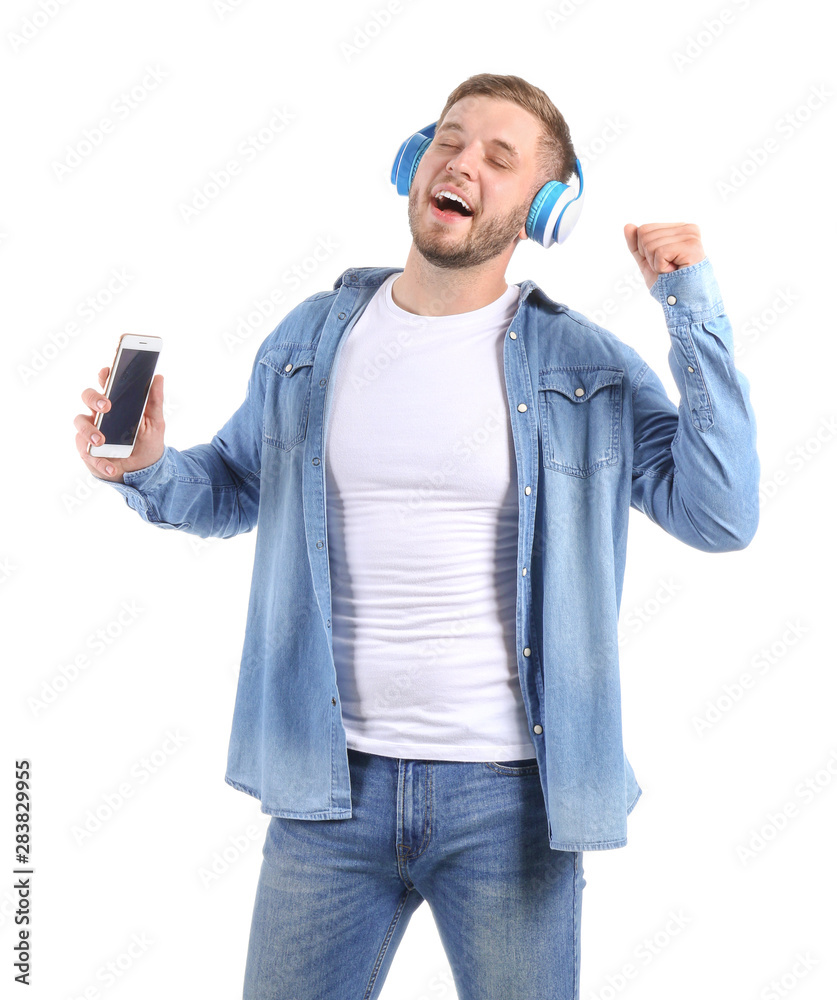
(427,290)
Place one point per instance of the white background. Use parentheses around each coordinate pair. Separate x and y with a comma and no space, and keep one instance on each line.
(665,110)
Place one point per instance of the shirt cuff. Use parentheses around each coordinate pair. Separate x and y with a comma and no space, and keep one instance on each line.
(142,480)
(689,295)
(151,476)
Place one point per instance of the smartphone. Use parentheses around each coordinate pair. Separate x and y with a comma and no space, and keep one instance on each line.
(128,386)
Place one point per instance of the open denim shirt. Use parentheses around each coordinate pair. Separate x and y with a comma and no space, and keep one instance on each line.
(594,434)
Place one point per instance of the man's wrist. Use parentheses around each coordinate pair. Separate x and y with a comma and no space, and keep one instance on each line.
(151,476)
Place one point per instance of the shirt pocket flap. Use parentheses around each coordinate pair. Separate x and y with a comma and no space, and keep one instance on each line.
(286,360)
(580,383)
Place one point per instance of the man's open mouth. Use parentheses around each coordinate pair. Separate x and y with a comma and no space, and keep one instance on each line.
(449,204)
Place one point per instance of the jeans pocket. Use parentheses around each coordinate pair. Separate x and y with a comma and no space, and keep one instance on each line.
(514,767)
(287,395)
(580,409)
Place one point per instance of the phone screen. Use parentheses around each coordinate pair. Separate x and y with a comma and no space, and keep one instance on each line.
(128,393)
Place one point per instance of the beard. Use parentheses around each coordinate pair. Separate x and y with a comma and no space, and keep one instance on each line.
(482,242)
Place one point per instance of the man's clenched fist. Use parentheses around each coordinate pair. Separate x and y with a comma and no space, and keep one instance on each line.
(660,247)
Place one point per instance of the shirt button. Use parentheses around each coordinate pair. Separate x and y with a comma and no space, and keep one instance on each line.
(524,571)
(513,335)
(527,651)
(341,315)
(537,729)
(671,299)
(522,407)
(288,368)
(579,392)
(691,369)
(528,490)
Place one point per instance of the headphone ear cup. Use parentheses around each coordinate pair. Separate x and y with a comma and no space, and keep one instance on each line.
(409,156)
(416,160)
(545,211)
(555,210)
(541,210)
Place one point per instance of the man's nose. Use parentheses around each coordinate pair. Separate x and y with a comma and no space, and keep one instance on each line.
(463,161)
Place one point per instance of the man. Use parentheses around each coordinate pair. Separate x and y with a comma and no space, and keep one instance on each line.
(438,673)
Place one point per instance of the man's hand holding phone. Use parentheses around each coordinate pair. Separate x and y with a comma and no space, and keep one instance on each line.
(148,447)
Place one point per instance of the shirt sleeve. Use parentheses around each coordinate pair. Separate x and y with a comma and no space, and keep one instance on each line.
(695,466)
(210,490)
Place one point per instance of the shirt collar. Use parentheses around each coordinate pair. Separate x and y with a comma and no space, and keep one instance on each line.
(376,276)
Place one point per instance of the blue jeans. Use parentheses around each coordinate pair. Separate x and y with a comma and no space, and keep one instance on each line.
(335,896)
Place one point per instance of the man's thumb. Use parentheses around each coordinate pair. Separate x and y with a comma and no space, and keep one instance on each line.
(630,236)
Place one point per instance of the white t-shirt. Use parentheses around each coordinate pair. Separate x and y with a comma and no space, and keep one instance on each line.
(422,507)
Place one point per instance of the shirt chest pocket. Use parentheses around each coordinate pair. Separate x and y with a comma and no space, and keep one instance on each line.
(580,409)
(287,395)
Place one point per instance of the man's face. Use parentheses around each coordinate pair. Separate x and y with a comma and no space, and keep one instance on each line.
(485,151)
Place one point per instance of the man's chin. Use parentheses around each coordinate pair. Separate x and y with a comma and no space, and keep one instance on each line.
(448,258)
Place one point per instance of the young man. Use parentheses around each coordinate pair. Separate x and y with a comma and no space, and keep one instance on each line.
(428,703)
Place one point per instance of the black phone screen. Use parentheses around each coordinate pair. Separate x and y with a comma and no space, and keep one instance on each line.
(127,396)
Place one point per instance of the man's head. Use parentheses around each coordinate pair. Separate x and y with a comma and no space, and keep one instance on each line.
(556,153)
(497,142)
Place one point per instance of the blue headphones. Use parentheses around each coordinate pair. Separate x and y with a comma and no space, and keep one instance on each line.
(555,208)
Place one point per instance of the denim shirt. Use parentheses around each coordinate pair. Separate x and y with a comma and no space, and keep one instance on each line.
(594,434)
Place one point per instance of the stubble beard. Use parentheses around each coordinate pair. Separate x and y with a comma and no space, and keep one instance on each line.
(483,242)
